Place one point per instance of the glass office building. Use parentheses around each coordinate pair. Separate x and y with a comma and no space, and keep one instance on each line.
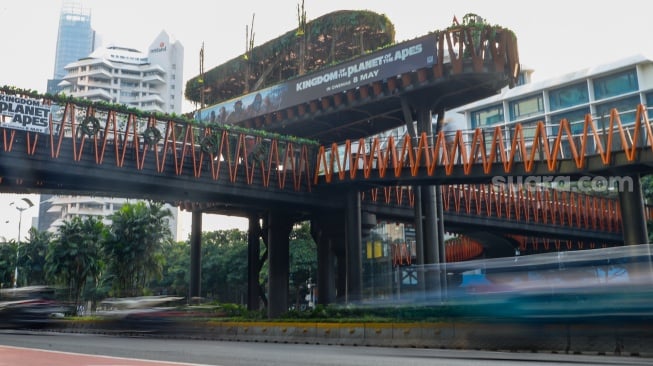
(75,39)
(622,84)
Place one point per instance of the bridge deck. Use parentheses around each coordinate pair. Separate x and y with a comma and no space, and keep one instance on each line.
(243,170)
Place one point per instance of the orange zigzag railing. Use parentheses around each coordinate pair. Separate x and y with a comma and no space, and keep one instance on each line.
(237,155)
(391,158)
(529,244)
(537,204)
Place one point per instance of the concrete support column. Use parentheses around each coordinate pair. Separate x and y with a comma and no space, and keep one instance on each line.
(326,230)
(253,254)
(633,219)
(428,196)
(279,262)
(341,276)
(429,212)
(353,248)
(633,223)
(326,290)
(195,255)
(439,207)
(419,238)
(431,248)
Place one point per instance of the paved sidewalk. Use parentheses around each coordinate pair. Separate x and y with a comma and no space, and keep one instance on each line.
(17,356)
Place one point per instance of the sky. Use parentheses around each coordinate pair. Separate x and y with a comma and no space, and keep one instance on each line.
(554,38)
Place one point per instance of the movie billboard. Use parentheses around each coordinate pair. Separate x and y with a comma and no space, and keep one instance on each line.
(27,114)
(380,65)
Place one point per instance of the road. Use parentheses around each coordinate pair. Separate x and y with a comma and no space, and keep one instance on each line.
(18,348)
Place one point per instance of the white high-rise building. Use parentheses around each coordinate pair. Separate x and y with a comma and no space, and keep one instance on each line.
(151,81)
(67,207)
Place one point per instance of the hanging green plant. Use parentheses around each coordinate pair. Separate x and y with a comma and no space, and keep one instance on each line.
(151,135)
(90,126)
(210,144)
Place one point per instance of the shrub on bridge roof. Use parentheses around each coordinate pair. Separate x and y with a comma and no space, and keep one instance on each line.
(331,38)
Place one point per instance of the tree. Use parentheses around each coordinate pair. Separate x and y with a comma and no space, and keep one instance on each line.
(224,265)
(7,262)
(646,182)
(134,246)
(175,275)
(32,258)
(74,254)
(647,191)
(303,260)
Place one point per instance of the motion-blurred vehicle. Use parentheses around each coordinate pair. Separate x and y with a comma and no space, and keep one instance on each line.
(595,285)
(30,307)
(142,313)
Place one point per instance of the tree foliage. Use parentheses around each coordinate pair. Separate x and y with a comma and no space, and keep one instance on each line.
(75,254)
(175,275)
(134,246)
(303,261)
(647,192)
(329,39)
(224,265)
(7,262)
(32,259)
(135,255)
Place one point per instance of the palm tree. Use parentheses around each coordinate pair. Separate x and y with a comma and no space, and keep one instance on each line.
(74,255)
(33,257)
(133,248)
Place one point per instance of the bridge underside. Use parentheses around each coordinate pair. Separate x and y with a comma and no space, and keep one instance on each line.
(380,107)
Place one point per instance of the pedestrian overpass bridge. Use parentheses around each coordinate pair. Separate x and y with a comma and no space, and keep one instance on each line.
(315,160)
(241,170)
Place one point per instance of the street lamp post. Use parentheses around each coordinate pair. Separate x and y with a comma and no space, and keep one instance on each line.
(20,221)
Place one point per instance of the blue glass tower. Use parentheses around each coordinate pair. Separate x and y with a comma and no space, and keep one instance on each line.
(75,40)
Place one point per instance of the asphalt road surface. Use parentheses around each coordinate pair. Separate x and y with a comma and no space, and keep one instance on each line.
(53,349)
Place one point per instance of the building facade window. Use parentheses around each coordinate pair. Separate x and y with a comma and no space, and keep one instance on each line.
(568,96)
(526,107)
(488,116)
(615,84)
(528,129)
(627,108)
(576,119)
(649,105)
(521,79)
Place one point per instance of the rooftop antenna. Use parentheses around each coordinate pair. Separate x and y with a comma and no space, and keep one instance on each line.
(201,81)
(301,34)
(249,46)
